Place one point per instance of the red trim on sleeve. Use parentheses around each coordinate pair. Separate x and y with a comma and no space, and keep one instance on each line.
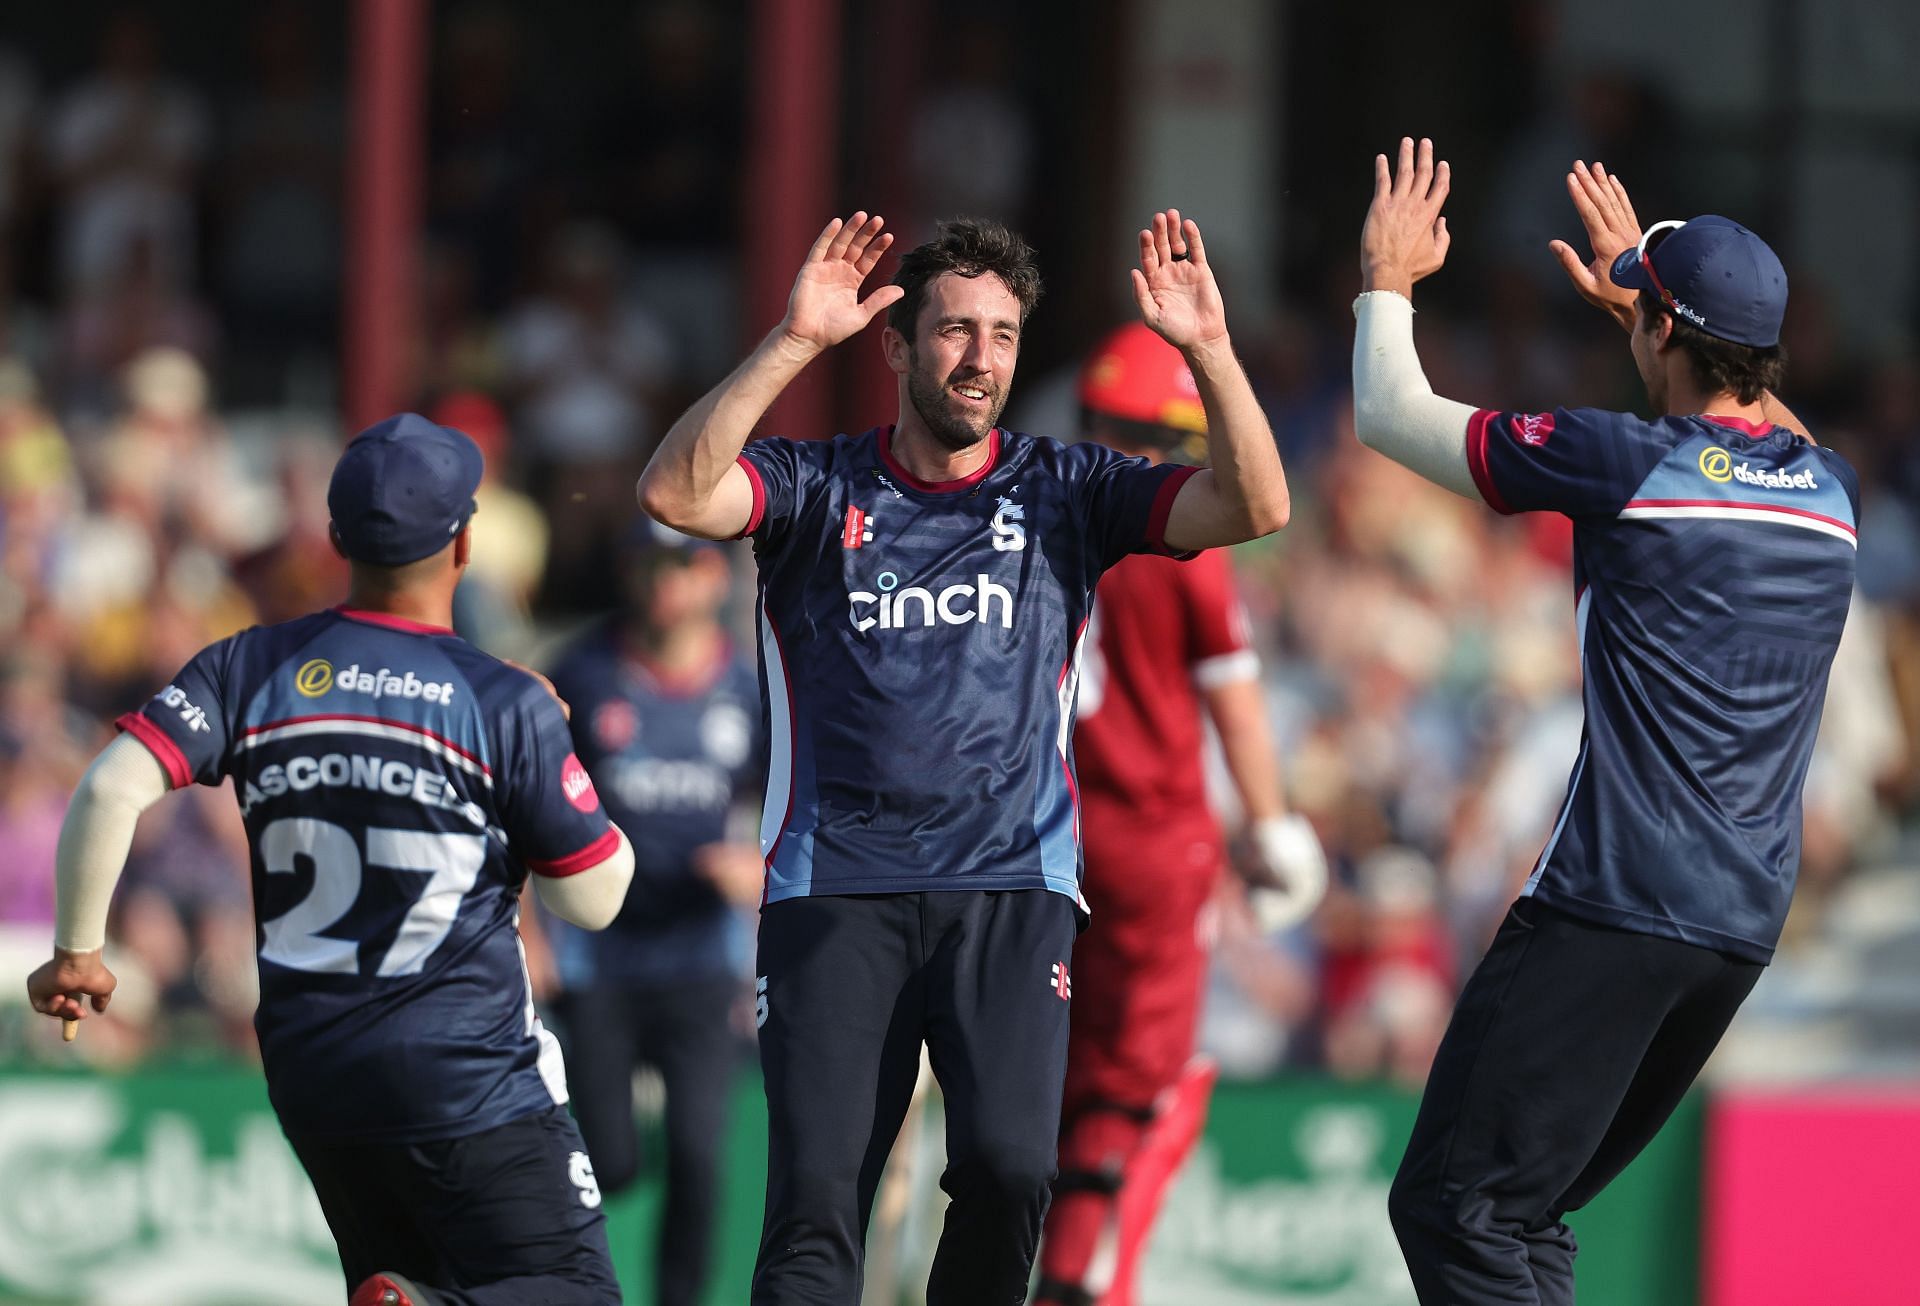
(1477,459)
(1163,507)
(558,868)
(392,622)
(179,771)
(759,496)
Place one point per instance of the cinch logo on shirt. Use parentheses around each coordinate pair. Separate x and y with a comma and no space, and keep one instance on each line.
(379,684)
(896,609)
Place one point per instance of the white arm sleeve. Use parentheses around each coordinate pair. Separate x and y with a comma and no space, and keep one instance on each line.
(590,898)
(124,781)
(1394,409)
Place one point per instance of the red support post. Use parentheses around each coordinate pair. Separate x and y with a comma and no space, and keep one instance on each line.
(791,180)
(388,80)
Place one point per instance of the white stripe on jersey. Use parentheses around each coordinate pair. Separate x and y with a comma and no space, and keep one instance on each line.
(1741,512)
(372,730)
(1573,787)
(773,815)
(1227,669)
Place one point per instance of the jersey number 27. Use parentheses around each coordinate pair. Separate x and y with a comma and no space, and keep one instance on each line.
(451,862)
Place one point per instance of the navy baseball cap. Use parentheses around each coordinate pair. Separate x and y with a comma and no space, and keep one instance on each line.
(402,489)
(1714,273)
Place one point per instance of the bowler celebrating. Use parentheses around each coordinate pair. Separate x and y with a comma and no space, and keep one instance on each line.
(924,590)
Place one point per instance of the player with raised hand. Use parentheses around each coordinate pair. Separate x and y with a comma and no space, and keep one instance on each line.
(1713,564)
(397,786)
(924,592)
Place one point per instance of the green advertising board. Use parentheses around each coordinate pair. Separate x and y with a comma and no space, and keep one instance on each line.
(175,1188)
(1284,1203)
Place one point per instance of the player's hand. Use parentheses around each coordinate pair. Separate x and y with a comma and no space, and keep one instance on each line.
(1174,284)
(735,869)
(70,984)
(1405,238)
(1285,869)
(1607,213)
(825,307)
(566,708)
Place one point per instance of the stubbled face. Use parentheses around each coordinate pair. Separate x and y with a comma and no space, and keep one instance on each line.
(1645,343)
(959,364)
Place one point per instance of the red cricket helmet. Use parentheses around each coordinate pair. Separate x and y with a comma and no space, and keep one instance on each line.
(1136,377)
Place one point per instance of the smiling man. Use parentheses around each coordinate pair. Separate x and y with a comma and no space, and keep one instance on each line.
(924,588)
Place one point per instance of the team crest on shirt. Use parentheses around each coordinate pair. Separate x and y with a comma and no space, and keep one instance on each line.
(726,734)
(616,725)
(1532,428)
(1009,530)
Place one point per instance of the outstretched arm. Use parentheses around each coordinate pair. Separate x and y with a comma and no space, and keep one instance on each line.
(693,481)
(1242,494)
(124,780)
(1395,410)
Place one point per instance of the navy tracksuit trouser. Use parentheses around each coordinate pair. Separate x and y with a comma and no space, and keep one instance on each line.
(1571,1045)
(852,986)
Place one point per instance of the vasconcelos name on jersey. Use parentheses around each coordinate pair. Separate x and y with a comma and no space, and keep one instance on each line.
(318,676)
(893,607)
(363,771)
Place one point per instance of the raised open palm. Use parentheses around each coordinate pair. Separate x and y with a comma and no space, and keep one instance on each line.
(825,307)
(1608,216)
(1174,284)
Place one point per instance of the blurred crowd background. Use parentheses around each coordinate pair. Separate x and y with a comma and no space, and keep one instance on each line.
(171,267)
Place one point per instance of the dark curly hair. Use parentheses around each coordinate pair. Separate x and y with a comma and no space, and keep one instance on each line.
(967,247)
(1720,366)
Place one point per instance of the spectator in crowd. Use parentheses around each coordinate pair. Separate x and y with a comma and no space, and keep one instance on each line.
(126,145)
(585,367)
(493,606)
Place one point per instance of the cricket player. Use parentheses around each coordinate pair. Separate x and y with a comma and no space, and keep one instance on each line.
(397,786)
(1713,562)
(666,717)
(1169,649)
(924,593)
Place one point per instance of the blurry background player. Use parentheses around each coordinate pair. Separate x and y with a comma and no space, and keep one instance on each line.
(1714,552)
(1167,643)
(397,785)
(666,716)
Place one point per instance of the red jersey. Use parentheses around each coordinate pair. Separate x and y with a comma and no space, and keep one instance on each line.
(1162,631)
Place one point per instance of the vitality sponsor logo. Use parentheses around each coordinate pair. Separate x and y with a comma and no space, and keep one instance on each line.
(1717,465)
(577,785)
(176,698)
(894,608)
(1009,534)
(1532,428)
